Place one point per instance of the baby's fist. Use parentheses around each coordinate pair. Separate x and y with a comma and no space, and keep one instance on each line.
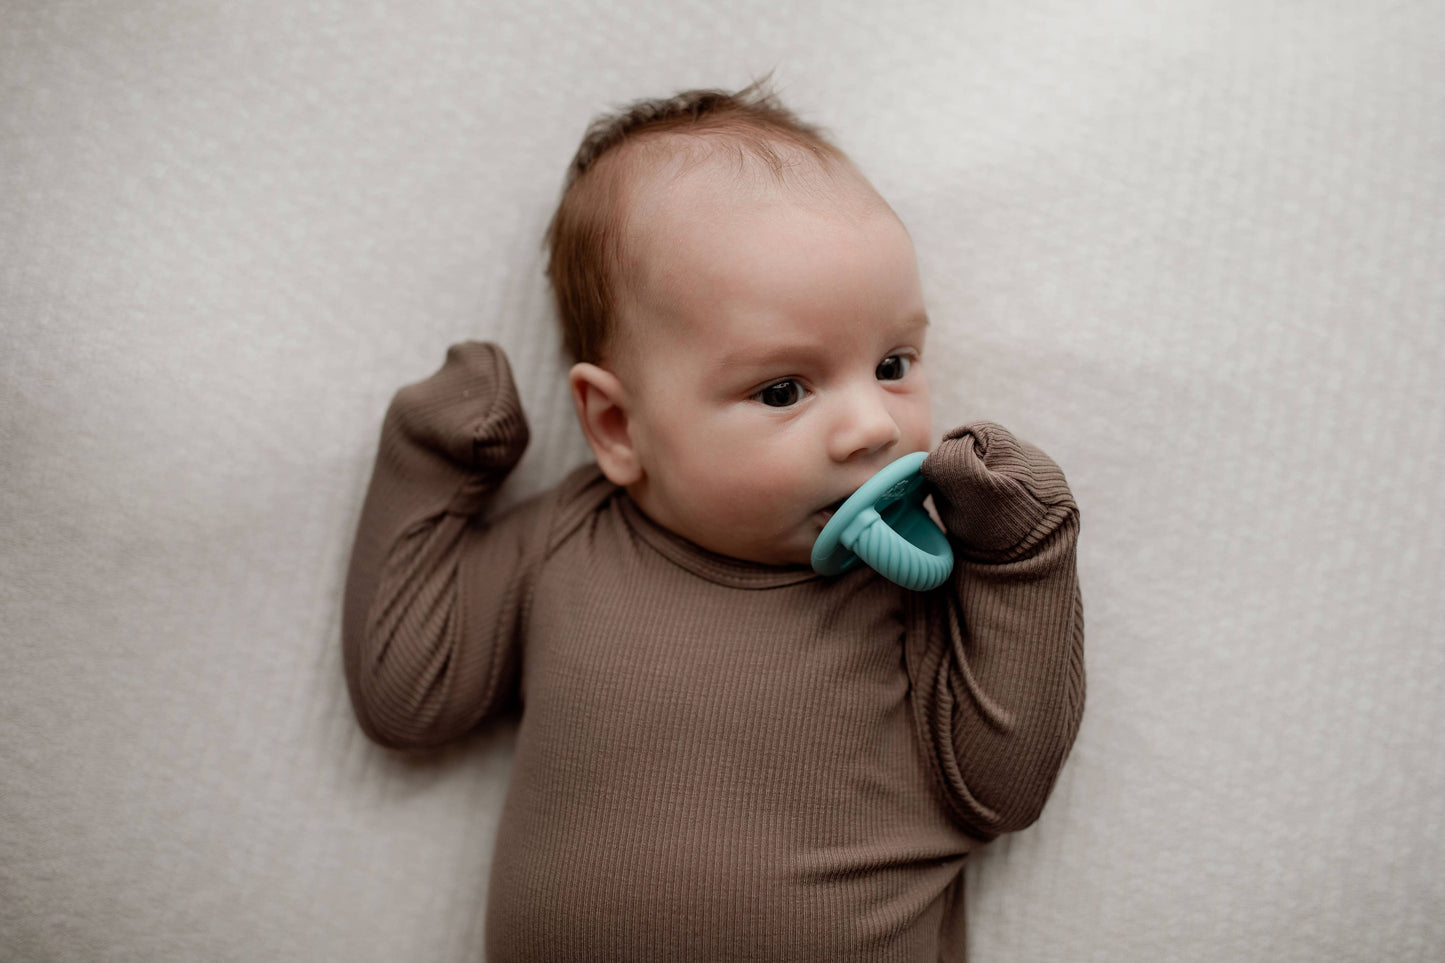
(467,411)
(993,491)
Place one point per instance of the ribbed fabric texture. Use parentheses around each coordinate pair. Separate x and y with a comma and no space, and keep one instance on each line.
(716,760)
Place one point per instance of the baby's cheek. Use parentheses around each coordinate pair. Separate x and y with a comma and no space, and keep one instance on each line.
(731,494)
(746,484)
(726,489)
(922,438)
(917,428)
(778,485)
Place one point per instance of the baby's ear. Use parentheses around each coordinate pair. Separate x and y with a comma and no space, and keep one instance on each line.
(602,410)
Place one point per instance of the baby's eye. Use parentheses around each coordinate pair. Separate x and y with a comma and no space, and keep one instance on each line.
(780,394)
(893,367)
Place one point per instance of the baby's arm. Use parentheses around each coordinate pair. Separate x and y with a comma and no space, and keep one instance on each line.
(1000,682)
(434,597)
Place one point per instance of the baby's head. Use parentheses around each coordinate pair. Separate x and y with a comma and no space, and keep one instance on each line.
(746,319)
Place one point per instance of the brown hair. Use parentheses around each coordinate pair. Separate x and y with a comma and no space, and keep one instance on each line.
(584,239)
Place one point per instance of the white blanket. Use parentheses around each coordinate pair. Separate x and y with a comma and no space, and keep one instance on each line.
(1195,250)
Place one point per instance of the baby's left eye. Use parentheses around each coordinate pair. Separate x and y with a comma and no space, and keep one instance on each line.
(893,367)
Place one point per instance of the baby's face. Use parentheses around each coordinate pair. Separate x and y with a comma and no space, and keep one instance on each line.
(774,363)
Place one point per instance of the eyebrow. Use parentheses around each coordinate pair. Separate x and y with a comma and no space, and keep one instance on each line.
(766,355)
(782,353)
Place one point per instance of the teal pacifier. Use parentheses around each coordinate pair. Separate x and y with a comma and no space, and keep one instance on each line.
(885,525)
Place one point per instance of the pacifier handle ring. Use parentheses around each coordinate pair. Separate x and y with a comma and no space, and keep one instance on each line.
(884,549)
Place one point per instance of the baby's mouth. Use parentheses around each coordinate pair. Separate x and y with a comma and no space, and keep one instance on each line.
(827,511)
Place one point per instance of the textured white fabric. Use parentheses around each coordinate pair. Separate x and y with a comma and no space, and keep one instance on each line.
(1193,249)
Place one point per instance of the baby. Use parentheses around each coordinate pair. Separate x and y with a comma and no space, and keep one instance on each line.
(721,754)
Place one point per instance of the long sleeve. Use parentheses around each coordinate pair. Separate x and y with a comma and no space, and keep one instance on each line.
(435,595)
(999,679)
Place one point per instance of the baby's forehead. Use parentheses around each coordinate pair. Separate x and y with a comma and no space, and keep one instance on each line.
(684,197)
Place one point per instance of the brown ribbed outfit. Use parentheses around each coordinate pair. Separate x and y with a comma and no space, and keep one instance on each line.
(716,760)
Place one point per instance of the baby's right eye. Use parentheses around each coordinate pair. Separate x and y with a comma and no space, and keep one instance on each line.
(780,394)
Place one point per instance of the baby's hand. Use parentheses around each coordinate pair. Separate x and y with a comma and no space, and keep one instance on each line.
(468,410)
(992,490)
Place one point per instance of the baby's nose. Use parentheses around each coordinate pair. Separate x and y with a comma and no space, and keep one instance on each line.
(864,427)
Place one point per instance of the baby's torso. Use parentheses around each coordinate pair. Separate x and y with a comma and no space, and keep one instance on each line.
(715,762)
